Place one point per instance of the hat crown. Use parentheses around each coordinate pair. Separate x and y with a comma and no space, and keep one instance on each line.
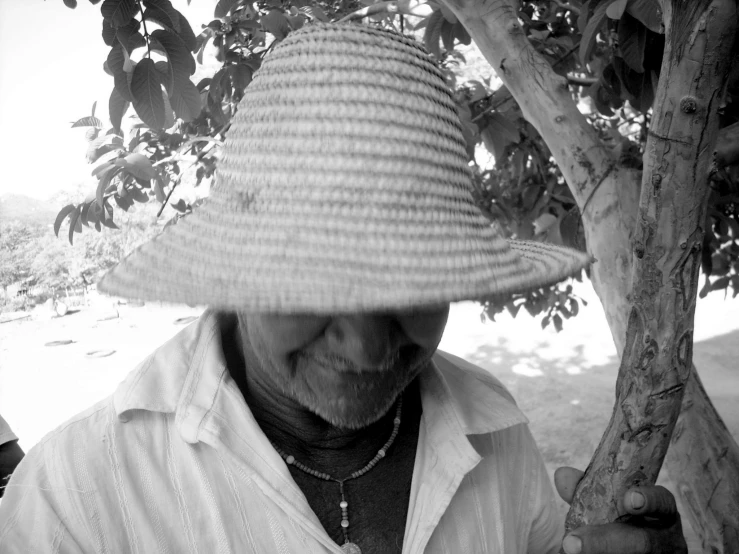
(347,114)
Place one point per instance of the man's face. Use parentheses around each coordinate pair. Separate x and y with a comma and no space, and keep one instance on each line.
(347,369)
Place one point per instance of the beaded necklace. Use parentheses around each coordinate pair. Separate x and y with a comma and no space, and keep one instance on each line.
(348,547)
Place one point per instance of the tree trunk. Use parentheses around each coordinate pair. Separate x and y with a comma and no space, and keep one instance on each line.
(607,196)
(657,355)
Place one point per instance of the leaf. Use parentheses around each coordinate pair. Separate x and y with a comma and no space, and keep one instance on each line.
(180,206)
(88,121)
(224,7)
(447,35)
(117,107)
(146,89)
(591,30)
(461,34)
(130,37)
(118,12)
(432,34)
(314,12)
(504,126)
(582,19)
(116,62)
(557,320)
(61,216)
(108,33)
(139,195)
(241,75)
(137,165)
(105,180)
(73,223)
(215,88)
(648,12)
(275,23)
(544,222)
(159,190)
(160,16)
(186,33)
(185,100)
(166,74)
(94,105)
(103,167)
(616,9)
(168,112)
(70,3)
(180,59)
(720,284)
(108,222)
(84,213)
(632,39)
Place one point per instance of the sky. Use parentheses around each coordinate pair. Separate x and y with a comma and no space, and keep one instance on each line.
(51,72)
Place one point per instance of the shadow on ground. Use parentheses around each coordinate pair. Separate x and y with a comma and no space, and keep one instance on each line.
(569,400)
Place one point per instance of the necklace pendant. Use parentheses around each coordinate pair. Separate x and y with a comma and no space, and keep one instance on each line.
(350,548)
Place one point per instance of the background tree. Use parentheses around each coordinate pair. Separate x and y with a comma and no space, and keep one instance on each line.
(603,133)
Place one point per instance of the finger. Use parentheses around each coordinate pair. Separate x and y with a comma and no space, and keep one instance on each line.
(565,481)
(620,538)
(655,501)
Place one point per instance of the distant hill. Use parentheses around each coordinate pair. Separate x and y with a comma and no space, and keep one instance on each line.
(24,209)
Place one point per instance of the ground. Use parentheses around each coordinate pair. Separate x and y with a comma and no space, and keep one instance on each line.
(564,382)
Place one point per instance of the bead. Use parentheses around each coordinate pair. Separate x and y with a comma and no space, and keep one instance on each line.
(396,421)
(290,460)
(343,504)
(345,523)
(381,453)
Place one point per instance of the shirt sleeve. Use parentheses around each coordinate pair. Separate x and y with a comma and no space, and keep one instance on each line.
(547,523)
(6,433)
(32,512)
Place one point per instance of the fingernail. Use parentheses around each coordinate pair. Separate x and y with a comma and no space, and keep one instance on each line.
(572,544)
(637,500)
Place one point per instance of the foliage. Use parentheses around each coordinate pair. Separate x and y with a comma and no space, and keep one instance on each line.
(31,255)
(608,50)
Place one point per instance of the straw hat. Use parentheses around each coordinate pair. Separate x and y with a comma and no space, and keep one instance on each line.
(344,186)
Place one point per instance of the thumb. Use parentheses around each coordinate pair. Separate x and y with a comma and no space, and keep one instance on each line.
(565,481)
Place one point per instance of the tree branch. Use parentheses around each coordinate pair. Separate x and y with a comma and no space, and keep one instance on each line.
(544,96)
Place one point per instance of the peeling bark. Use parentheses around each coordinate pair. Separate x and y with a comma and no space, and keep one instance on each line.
(608,197)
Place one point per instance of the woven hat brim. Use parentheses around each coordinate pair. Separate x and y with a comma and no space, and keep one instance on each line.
(189,264)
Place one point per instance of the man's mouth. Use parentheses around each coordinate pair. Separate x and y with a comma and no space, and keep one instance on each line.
(342,365)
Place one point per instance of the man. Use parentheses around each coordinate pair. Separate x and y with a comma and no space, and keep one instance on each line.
(309,410)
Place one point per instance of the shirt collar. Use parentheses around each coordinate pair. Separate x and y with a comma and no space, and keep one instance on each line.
(185,374)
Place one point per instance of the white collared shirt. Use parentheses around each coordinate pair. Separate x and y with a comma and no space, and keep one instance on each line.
(174,462)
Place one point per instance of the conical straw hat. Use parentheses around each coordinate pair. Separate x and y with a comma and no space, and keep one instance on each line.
(344,186)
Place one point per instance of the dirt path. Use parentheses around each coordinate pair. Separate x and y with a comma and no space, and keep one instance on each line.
(564,382)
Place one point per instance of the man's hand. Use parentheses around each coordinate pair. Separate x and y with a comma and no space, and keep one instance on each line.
(651,524)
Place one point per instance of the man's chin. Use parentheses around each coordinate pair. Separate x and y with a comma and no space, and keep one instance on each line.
(350,414)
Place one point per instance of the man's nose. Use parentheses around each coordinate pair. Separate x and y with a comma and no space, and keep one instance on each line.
(366,340)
